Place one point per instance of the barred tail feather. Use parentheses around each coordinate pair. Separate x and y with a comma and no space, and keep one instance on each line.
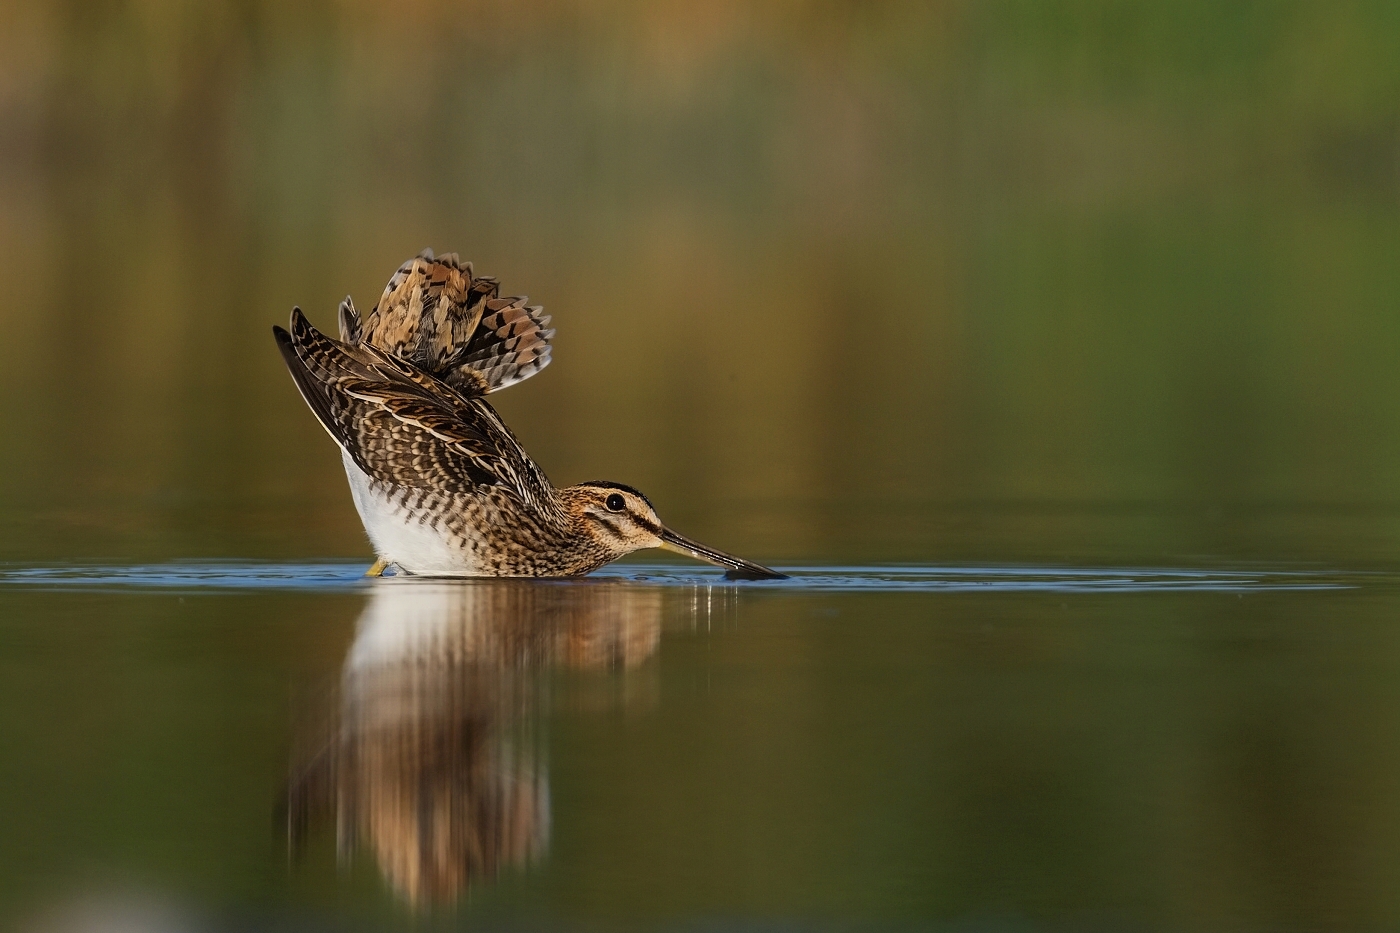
(438,315)
(511,343)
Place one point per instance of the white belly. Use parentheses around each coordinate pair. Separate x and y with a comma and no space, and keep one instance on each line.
(400,538)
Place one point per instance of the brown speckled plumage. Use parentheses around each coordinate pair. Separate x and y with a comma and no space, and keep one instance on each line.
(441,483)
(438,315)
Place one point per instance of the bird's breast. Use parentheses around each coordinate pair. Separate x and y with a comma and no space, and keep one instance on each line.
(434,533)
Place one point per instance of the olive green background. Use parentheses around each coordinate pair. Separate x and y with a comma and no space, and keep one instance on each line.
(1044,283)
(817,268)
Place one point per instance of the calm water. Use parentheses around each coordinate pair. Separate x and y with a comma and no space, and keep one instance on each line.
(1052,346)
(254,745)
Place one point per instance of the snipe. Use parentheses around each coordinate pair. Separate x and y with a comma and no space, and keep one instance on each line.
(441,484)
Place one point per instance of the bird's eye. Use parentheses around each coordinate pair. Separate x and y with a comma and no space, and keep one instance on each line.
(615,503)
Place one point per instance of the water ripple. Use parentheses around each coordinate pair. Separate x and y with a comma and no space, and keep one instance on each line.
(345,576)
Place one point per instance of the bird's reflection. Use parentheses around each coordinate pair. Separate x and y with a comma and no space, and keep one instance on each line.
(433,760)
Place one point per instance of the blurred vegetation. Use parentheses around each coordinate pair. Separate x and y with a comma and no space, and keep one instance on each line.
(1036,280)
(843,281)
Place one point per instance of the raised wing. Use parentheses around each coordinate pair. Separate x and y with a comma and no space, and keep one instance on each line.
(437,314)
(403,426)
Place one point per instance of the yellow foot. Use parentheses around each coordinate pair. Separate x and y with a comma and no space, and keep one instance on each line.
(378,569)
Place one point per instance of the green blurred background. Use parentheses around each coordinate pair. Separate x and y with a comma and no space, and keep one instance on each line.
(833,281)
(1064,283)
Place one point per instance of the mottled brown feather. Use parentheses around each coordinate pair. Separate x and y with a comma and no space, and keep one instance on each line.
(441,317)
(405,427)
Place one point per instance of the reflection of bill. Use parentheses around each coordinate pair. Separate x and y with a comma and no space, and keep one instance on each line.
(434,762)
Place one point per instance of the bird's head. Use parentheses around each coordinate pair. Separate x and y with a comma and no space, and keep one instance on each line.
(620,520)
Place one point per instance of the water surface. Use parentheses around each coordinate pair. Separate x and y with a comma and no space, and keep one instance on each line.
(1051,346)
(255,742)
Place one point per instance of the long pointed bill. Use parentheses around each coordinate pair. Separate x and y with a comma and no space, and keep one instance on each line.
(738,568)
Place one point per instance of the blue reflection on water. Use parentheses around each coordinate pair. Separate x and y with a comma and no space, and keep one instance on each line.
(348,576)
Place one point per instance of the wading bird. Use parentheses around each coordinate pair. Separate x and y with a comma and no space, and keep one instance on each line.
(441,484)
